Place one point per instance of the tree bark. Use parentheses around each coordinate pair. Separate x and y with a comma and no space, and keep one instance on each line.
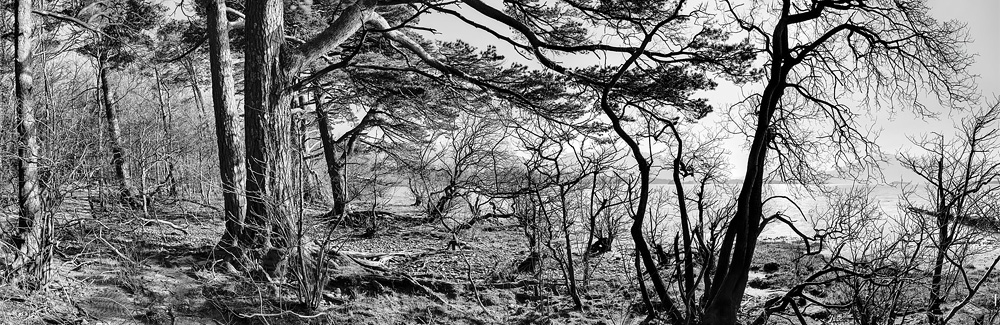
(128,192)
(333,165)
(228,132)
(33,228)
(268,226)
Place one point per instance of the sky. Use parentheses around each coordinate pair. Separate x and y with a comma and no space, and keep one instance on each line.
(981,16)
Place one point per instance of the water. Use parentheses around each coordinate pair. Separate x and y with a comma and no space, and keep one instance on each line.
(811,209)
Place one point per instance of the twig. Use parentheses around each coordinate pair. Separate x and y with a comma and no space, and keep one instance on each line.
(475,290)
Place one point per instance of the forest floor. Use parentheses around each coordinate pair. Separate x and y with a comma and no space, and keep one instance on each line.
(120,268)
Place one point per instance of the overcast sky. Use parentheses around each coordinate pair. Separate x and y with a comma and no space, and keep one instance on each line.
(982,17)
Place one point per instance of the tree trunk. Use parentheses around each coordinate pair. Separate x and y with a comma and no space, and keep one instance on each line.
(128,193)
(688,288)
(934,310)
(199,100)
(267,123)
(33,228)
(740,240)
(570,269)
(165,118)
(444,202)
(333,165)
(228,132)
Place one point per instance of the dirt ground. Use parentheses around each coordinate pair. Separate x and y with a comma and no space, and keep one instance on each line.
(116,267)
(119,268)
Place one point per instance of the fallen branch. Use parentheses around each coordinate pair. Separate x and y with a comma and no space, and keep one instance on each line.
(512,285)
(282,313)
(367,255)
(114,249)
(425,289)
(168,223)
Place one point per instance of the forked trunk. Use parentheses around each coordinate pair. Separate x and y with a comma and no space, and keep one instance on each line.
(740,241)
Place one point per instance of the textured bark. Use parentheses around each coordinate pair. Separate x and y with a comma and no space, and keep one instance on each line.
(268,142)
(33,227)
(268,230)
(333,165)
(228,133)
(129,194)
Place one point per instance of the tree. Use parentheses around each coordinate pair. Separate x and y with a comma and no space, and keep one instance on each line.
(33,226)
(227,132)
(644,94)
(961,178)
(464,162)
(270,65)
(562,159)
(400,106)
(118,25)
(890,50)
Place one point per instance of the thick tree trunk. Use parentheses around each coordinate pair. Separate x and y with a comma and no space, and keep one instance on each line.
(33,228)
(128,192)
(740,240)
(228,132)
(333,165)
(268,142)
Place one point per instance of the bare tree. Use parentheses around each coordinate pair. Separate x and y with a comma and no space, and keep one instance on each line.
(464,162)
(961,178)
(891,51)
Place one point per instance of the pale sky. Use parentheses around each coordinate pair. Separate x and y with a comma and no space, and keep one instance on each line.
(982,17)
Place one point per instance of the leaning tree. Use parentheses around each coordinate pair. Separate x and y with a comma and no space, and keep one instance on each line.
(819,55)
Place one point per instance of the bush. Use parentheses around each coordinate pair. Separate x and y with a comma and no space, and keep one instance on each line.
(759,283)
(771,267)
